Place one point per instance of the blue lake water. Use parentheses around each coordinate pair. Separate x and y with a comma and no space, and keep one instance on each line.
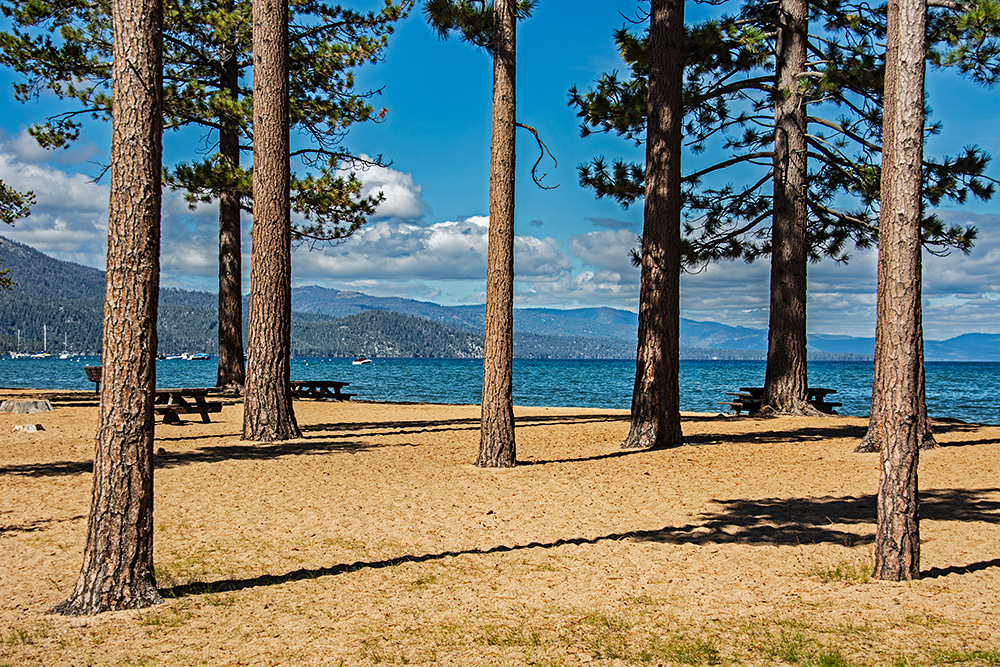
(966,391)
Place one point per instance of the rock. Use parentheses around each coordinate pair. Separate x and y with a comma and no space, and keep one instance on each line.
(25,407)
(29,428)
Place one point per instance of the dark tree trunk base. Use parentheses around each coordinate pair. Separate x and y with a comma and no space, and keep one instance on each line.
(79,605)
(648,436)
(796,409)
(233,390)
(867,445)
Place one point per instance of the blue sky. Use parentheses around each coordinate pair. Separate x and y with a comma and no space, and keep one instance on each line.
(429,239)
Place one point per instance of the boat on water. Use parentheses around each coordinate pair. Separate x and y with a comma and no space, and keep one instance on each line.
(198,356)
(360,361)
(65,354)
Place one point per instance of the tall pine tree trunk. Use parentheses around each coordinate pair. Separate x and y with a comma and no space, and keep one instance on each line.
(117,570)
(267,412)
(496,441)
(232,373)
(896,411)
(785,383)
(656,417)
(869,442)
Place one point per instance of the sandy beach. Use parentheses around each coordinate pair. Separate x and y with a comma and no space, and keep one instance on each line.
(374,540)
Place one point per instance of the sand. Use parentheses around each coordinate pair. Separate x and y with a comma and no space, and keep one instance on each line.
(373,540)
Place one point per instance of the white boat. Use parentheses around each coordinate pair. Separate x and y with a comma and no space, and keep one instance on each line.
(360,361)
(65,354)
(44,354)
(18,353)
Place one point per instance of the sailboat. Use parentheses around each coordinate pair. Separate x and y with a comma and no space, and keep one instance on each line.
(18,353)
(45,345)
(65,353)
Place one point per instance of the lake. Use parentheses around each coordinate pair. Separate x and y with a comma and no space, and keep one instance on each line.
(966,391)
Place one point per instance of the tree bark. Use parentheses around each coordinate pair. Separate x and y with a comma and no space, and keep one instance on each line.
(656,417)
(267,412)
(896,412)
(117,570)
(786,378)
(232,365)
(496,440)
(869,443)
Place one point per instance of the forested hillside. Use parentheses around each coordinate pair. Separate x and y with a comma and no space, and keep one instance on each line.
(67,298)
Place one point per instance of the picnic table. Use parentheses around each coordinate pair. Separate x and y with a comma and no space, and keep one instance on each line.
(752,398)
(320,389)
(170,402)
(184,400)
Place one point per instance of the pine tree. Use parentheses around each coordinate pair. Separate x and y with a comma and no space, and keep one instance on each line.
(267,408)
(14,205)
(117,570)
(738,70)
(896,417)
(492,26)
(656,417)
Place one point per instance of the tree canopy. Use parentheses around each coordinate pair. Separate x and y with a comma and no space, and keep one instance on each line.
(728,98)
(64,47)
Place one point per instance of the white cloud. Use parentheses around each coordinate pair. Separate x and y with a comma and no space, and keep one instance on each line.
(403,196)
(608,250)
(454,250)
(25,149)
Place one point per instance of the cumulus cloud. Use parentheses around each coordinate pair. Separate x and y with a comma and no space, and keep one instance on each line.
(607,251)
(24,148)
(454,250)
(403,196)
(69,218)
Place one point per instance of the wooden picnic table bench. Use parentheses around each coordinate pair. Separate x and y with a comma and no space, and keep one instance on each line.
(320,389)
(184,400)
(94,374)
(751,399)
(170,402)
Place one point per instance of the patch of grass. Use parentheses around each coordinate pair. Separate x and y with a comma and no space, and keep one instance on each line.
(792,647)
(22,636)
(499,635)
(682,650)
(607,638)
(848,572)
(989,657)
(19,637)
(220,600)
(423,581)
(170,617)
(829,658)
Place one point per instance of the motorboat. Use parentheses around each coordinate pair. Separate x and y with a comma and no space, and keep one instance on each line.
(361,361)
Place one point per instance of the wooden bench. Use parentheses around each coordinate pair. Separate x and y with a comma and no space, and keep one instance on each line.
(94,374)
(180,401)
(751,399)
(170,402)
(320,389)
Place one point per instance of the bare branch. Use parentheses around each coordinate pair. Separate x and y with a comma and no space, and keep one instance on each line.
(542,150)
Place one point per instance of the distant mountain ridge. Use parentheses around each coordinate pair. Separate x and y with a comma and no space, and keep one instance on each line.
(67,297)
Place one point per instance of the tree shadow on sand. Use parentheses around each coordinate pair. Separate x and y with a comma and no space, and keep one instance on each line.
(770,521)
(439,425)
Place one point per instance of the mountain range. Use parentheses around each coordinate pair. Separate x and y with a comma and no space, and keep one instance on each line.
(68,299)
